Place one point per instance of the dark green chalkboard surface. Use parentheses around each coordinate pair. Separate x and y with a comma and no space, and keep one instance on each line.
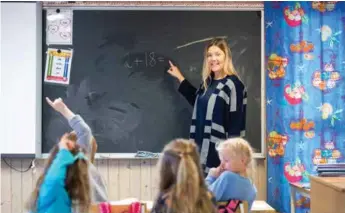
(119,82)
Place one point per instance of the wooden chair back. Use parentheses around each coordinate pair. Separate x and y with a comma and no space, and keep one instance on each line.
(123,208)
(243,206)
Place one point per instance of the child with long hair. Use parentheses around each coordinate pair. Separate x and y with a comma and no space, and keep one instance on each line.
(233,178)
(181,185)
(87,142)
(64,183)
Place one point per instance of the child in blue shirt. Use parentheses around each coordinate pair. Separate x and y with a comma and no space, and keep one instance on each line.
(87,142)
(233,178)
(64,184)
(82,185)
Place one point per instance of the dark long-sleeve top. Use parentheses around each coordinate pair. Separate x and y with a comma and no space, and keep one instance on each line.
(218,114)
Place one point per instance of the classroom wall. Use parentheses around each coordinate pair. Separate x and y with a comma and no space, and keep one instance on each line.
(21,67)
(124,178)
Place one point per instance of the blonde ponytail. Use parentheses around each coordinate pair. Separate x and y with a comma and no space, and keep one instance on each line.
(181,180)
(187,188)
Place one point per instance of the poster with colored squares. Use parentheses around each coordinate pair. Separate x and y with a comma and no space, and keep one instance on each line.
(58,66)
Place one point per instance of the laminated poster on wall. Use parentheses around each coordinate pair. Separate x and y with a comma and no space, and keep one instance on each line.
(59,27)
(58,66)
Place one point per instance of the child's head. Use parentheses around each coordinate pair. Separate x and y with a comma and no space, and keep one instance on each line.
(182,179)
(69,140)
(217,50)
(94,146)
(236,155)
(77,178)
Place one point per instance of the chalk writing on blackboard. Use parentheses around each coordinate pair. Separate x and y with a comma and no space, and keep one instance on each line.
(145,59)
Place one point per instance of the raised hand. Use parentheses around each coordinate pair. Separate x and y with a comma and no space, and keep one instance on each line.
(57,104)
(61,107)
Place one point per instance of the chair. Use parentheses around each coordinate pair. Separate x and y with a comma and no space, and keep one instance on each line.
(114,208)
(233,206)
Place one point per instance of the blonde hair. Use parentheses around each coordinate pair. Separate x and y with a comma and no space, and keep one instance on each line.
(239,147)
(76,182)
(94,147)
(182,180)
(229,68)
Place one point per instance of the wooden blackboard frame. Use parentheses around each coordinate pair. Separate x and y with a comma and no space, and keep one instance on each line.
(172,7)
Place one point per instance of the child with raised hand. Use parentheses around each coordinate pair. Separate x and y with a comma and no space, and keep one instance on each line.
(88,143)
(64,184)
(181,185)
(233,178)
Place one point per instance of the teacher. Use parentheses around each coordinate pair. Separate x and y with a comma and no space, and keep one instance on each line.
(219,103)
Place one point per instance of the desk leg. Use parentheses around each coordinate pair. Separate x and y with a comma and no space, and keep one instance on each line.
(292,199)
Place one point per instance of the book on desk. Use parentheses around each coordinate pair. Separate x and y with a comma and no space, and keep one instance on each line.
(331,170)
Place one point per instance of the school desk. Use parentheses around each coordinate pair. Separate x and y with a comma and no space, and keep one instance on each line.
(301,188)
(327,194)
(260,206)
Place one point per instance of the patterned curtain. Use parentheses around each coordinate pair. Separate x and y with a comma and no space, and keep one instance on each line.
(305,91)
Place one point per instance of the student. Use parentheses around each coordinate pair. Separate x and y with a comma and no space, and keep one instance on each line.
(88,143)
(181,185)
(64,184)
(219,104)
(233,178)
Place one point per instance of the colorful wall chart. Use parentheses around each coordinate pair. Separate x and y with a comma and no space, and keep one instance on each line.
(58,66)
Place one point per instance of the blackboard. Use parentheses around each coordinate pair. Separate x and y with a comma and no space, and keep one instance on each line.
(119,83)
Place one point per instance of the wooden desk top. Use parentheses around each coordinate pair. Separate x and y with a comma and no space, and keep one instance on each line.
(261,206)
(337,183)
(301,187)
